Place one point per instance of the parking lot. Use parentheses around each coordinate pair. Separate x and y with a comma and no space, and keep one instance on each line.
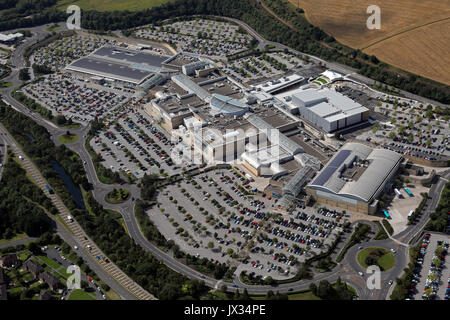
(216,215)
(431,276)
(200,36)
(60,53)
(263,67)
(135,145)
(404,128)
(74,98)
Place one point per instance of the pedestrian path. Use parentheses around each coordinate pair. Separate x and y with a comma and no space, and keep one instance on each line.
(79,235)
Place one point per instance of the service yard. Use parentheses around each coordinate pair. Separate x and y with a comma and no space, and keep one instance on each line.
(400,207)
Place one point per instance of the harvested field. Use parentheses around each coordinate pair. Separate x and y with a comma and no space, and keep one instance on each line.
(413,35)
(424,51)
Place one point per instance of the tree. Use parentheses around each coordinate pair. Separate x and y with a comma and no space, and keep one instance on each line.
(60,120)
(325,290)
(245,295)
(269,295)
(24,75)
(269,280)
(375,128)
(313,288)
(34,248)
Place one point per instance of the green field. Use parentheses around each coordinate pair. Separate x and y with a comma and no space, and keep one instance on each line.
(386,261)
(80,295)
(111,5)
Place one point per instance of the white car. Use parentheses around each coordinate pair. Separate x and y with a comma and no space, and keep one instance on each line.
(75,247)
(360,273)
(392,250)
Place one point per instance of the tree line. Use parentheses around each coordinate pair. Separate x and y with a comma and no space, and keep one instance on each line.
(439,219)
(37,144)
(19,212)
(100,224)
(309,39)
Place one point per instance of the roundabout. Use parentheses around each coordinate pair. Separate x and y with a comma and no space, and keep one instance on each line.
(68,137)
(376,256)
(117,196)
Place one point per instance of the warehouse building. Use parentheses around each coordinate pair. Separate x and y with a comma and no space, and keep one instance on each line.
(124,66)
(355,177)
(328,109)
(10,38)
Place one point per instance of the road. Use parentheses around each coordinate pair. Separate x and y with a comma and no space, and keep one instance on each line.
(350,73)
(81,238)
(16,242)
(347,269)
(54,254)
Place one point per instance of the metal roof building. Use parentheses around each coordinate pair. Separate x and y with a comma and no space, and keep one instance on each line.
(227,106)
(329,109)
(286,143)
(190,68)
(191,87)
(356,174)
(10,37)
(109,69)
(155,80)
(121,64)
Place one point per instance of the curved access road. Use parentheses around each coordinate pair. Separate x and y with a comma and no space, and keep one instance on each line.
(348,269)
